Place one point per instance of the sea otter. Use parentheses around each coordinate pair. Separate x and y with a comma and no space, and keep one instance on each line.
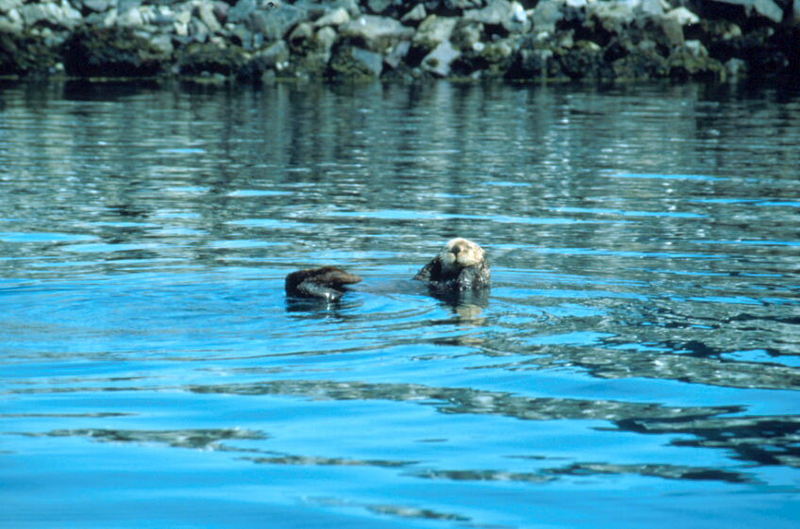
(327,282)
(460,266)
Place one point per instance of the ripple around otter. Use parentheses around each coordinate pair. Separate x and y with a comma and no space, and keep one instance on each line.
(639,351)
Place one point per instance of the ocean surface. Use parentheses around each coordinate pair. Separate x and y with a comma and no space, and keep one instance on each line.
(636,363)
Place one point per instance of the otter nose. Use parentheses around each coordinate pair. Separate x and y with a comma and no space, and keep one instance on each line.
(456,249)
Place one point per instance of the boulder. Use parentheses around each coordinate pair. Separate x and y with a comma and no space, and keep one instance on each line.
(99,5)
(300,34)
(50,13)
(547,14)
(673,22)
(510,15)
(324,38)
(336,17)
(467,35)
(353,61)
(418,13)
(375,33)
(395,57)
(242,11)
(12,22)
(434,30)
(378,6)
(611,16)
(274,56)
(438,61)
(209,18)
(8,5)
(464,4)
(651,7)
(312,51)
(274,23)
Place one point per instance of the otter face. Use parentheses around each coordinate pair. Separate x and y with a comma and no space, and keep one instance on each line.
(460,253)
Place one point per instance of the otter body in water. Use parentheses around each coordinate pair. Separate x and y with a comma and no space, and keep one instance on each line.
(327,282)
(460,266)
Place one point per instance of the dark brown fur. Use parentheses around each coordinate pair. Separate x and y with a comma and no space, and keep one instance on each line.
(454,278)
(327,282)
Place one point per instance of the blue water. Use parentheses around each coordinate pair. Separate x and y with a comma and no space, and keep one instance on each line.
(637,363)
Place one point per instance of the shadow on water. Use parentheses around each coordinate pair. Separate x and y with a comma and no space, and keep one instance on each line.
(759,440)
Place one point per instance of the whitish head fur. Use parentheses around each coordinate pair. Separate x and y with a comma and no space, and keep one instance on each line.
(459,253)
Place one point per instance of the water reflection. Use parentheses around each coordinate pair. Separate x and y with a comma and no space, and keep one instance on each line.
(642,326)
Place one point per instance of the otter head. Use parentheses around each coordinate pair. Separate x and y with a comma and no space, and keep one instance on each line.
(460,253)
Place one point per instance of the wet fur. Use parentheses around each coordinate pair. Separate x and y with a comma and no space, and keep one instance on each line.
(327,282)
(460,266)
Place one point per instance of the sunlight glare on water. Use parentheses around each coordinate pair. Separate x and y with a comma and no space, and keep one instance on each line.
(635,364)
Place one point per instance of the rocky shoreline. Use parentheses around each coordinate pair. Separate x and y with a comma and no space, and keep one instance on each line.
(260,41)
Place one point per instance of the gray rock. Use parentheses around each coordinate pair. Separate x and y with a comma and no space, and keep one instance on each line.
(672,30)
(301,32)
(244,36)
(241,11)
(274,23)
(464,4)
(378,6)
(434,30)
(11,22)
(163,43)
(336,17)
(163,16)
(467,35)
(672,23)
(547,14)
(198,31)
(351,6)
(130,18)
(418,13)
(183,16)
(8,5)
(651,7)
(371,61)
(324,38)
(275,55)
(397,54)
(496,52)
(510,15)
(378,33)
(34,13)
(495,13)
(682,16)
(357,62)
(99,5)
(206,12)
(124,5)
(612,16)
(439,60)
